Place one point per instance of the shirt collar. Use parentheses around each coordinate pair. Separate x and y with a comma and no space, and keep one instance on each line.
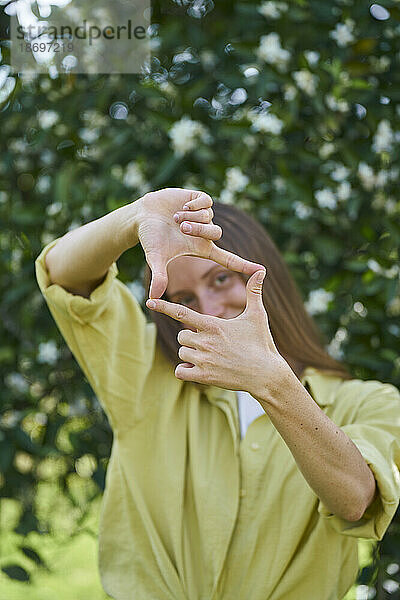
(322,387)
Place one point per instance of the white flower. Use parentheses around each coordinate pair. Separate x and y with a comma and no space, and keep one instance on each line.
(272,10)
(391,206)
(340,173)
(393,307)
(22,164)
(133,177)
(47,157)
(137,289)
(226,196)
(236,180)
(318,301)
(265,122)
(279,184)
(290,92)
(47,118)
(326,150)
(48,352)
(302,210)
(334,347)
(94,119)
(383,138)
(54,208)
(343,33)
(167,87)
(208,58)
(366,175)
(6,89)
(18,146)
(326,198)
(380,64)
(311,56)
(382,178)
(16,382)
(333,104)
(89,135)
(306,81)
(343,191)
(271,52)
(185,133)
(40,418)
(43,184)
(11,417)
(250,140)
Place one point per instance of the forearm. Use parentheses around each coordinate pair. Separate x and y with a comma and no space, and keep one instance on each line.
(330,462)
(84,255)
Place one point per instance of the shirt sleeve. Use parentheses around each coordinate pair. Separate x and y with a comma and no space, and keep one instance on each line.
(109,336)
(376,433)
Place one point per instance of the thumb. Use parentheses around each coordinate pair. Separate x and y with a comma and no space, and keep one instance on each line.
(254,290)
(159,277)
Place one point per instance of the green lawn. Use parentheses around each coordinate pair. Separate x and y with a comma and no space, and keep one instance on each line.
(73,563)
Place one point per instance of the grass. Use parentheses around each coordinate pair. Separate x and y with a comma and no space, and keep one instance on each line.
(74,573)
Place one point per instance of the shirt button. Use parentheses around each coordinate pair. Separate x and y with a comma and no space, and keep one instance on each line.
(242,493)
(254,446)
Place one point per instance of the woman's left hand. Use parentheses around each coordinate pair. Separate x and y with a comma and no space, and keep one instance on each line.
(235,354)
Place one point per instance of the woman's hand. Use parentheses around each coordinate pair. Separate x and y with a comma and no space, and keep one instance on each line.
(235,354)
(163,238)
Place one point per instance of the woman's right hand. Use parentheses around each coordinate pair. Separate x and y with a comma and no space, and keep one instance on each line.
(163,239)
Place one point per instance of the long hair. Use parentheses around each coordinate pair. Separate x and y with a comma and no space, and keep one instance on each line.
(295,333)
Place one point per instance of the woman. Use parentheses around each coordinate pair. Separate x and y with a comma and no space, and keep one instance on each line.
(246,461)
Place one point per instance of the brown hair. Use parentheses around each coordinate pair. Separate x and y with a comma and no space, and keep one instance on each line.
(295,333)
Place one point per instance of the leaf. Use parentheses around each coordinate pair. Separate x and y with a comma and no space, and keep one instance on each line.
(30,553)
(16,572)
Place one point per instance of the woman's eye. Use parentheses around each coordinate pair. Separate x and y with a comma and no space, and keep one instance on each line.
(185,300)
(222,277)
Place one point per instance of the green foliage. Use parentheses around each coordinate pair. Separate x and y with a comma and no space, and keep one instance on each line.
(308,142)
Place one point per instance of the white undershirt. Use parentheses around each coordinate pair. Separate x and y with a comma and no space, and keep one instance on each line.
(249,409)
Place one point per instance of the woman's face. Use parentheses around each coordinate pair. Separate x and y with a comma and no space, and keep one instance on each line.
(206,287)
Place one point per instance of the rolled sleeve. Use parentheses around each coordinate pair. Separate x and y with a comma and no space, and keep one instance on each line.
(109,336)
(376,433)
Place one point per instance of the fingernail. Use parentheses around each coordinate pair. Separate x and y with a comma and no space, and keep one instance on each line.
(176,217)
(261,276)
(150,304)
(186,227)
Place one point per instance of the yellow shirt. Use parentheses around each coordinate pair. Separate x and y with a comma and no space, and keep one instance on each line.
(191,511)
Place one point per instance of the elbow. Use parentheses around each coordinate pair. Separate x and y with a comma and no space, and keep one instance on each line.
(370,497)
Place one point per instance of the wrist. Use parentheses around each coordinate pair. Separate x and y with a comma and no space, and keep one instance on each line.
(128,225)
(270,389)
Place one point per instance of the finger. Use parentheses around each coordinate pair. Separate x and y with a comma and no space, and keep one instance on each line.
(198,200)
(185,372)
(187,354)
(186,337)
(159,276)
(180,313)
(209,231)
(205,215)
(233,261)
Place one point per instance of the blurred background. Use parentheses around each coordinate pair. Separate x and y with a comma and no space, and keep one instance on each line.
(289,110)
